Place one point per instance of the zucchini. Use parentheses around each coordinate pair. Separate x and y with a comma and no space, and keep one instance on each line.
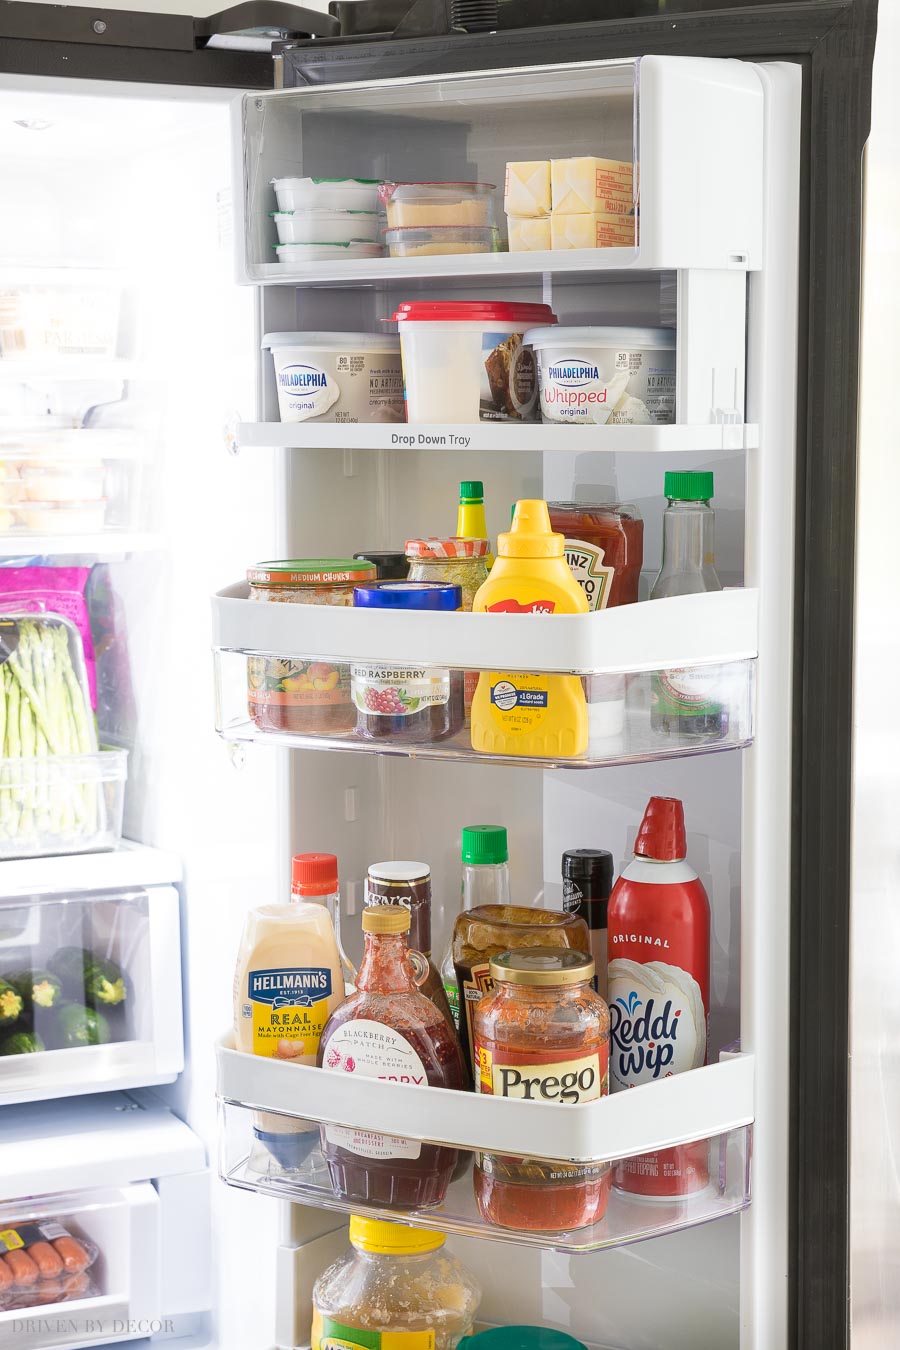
(88,978)
(11,1004)
(22,1043)
(77,1025)
(39,989)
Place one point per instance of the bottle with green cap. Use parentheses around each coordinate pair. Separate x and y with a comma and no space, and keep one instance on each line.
(682,702)
(485,881)
(470,518)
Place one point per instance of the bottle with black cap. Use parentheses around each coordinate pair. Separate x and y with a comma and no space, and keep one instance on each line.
(390,565)
(587,882)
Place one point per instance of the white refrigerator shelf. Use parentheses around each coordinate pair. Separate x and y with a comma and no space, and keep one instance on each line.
(698,1105)
(481,437)
(690,630)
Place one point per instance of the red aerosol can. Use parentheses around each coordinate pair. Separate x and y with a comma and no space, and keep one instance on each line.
(659,987)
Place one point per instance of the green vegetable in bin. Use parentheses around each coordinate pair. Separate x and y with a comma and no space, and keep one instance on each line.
(44,711)
(11,1003)
(93,979)
(77,1025)
(39,989)
(22,1043)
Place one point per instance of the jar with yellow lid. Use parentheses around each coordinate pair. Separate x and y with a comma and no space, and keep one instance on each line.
(289,693)
(397,1289)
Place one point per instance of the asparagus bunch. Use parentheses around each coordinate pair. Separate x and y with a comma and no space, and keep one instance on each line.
(43,714)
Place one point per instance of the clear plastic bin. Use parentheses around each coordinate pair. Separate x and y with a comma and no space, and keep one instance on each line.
(417,241)
(62,803)
(431,204)
(67,481)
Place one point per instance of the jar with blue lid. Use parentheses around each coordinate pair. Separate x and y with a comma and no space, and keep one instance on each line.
(412,703)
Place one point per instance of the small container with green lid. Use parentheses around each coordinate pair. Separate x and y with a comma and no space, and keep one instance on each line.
(288,693)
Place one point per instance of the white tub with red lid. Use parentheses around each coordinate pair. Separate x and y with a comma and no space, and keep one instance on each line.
(463,360)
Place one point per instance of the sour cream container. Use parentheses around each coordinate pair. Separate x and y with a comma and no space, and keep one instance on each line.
(333,227)
(594,376)
(298,255)
(337,377)
(465,361)
(326,194)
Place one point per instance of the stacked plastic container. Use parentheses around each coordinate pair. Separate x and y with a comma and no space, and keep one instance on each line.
(433,218)
(326,218)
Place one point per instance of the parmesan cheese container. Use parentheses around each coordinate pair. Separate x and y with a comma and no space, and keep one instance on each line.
(595,376)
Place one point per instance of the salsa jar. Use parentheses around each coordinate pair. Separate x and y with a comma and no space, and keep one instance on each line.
(288,693)
(542,1036)
(415,704)
(484,931)
(451,562)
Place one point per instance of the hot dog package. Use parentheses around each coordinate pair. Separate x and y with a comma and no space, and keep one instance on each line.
(41,1262)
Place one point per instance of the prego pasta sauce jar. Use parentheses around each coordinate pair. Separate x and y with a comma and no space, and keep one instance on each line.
(542,1036)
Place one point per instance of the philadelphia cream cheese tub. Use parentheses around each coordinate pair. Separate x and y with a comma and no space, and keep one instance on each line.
(337,377)
(598,375)
(465,360)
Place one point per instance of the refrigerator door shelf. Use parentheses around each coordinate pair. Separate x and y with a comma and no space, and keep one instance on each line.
(79,1031)
(700,439)
(251,1163)
(121,1288)
(718,628)
(665,116)
(708,1101)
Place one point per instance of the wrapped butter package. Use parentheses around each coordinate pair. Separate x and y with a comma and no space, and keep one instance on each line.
(586,185)
(591,231)
(528,236)
(527,190)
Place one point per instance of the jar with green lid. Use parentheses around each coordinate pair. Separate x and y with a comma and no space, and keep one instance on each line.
(397,1288)
(289,693)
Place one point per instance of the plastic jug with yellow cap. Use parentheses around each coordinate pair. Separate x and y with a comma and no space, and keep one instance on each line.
(398,1289)
(530,714)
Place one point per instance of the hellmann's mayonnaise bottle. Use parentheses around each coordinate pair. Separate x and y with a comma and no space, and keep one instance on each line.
(512,713)
(287,982)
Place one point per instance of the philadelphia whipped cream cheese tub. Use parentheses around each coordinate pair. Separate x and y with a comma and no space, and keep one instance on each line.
(337,377)
(591,376)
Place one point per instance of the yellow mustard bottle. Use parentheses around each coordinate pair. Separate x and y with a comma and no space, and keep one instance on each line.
(512,713)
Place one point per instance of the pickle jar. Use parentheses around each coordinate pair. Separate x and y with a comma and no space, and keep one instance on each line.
(542,1036)
(450,561)
(289,693)
(406,701)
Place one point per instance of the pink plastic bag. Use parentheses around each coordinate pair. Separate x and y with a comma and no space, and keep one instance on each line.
(53,590)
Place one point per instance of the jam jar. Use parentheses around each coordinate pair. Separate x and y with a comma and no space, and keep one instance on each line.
(288,693)
(542,1036)
(414,704)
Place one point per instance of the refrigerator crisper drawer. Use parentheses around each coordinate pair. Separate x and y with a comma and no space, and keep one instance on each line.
(600,1159)
(90,992)
(62,803)
(685,127)
(268,655)
(110,1288)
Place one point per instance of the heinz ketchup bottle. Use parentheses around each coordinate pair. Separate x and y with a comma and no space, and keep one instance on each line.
(659,987)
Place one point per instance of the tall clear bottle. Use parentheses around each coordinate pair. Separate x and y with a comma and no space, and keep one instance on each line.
(314,879)
(683,702)
(485,881)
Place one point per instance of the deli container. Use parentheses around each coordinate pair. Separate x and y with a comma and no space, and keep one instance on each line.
(595,376)
(465,361)
(417,241)
(337,377)
(333,227)
(326,194)
(438,204)
(54,481)
(63,517)
(298,255)
(45,322)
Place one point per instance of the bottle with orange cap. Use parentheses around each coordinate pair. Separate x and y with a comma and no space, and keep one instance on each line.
(530,714)
(288,980)
(314,880)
